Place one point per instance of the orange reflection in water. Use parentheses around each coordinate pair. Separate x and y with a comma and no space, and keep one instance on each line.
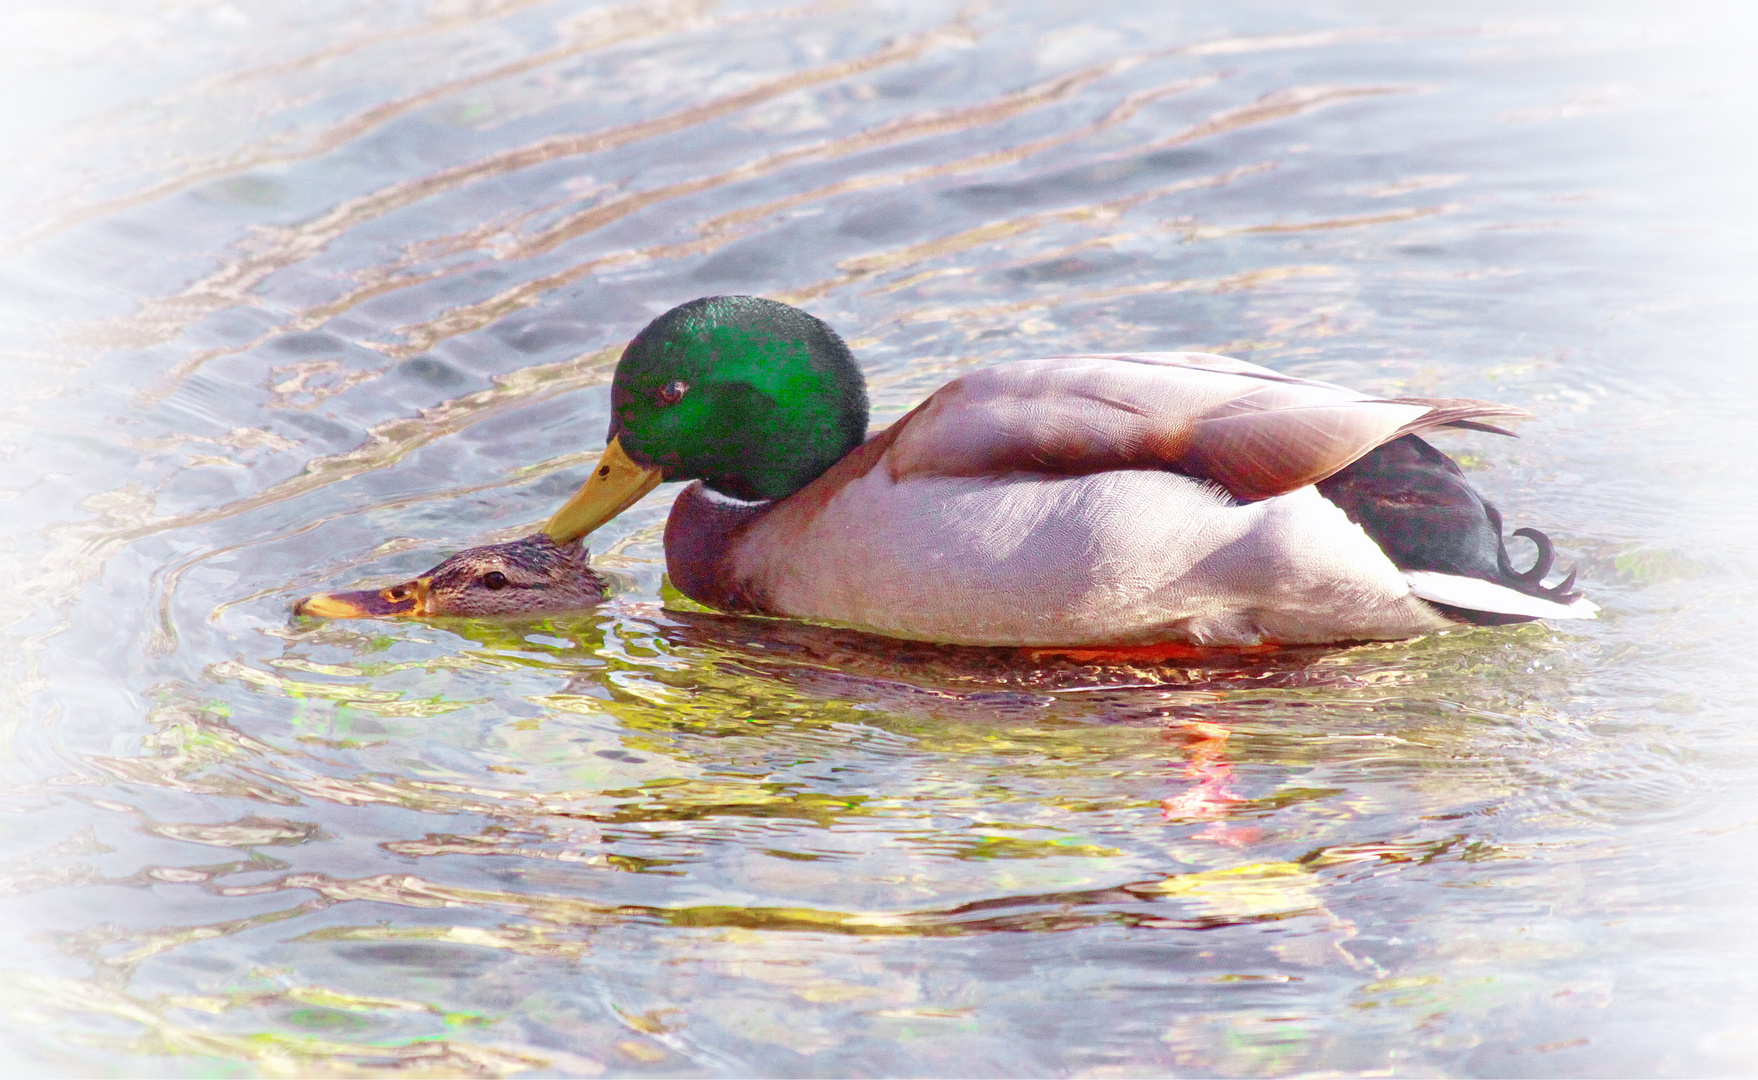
(1212,797)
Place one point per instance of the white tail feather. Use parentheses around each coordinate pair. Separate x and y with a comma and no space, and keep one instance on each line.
(1475,594)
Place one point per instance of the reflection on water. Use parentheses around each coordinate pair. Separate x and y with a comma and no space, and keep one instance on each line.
(299,294)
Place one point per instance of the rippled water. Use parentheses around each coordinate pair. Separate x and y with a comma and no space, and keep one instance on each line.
(301,295)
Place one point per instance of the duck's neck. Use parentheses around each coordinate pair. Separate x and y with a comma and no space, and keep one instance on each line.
(699,549)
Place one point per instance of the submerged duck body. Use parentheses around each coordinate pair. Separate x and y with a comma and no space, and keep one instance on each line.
(1107,500)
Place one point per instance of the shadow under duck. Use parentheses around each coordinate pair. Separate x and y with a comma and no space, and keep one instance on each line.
(1115,500)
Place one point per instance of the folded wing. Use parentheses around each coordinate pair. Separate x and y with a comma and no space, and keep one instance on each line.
(1253,431)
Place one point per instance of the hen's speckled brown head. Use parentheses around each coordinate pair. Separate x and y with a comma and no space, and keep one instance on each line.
(532,575)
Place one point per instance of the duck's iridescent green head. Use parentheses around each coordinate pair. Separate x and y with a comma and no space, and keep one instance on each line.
(753,397)
(756,399)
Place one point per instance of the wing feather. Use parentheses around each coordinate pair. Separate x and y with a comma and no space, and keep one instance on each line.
(1255,432)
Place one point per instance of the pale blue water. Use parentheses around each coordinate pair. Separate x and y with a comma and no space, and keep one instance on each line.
(304,295)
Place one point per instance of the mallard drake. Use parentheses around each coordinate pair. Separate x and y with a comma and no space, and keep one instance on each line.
(1075,502)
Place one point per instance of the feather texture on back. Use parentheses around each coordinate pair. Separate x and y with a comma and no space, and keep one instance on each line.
(1252,431)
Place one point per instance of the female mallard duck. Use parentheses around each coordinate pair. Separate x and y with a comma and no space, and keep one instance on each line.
(1079,501)
(532,575)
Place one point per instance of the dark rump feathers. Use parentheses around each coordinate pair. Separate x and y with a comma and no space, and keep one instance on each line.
(1415,503)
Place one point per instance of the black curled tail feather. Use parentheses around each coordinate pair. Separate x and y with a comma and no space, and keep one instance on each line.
(1414,502)
(1547,554)
(1534,577)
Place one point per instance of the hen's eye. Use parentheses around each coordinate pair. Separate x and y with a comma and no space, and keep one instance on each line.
(672,392)
(494,579)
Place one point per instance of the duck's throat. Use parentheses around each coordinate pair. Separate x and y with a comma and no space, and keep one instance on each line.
(700,540)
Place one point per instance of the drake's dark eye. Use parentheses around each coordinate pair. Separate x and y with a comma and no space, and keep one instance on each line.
(494,579)
(672,392)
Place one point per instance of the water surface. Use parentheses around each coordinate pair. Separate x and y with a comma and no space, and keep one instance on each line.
(306,295)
